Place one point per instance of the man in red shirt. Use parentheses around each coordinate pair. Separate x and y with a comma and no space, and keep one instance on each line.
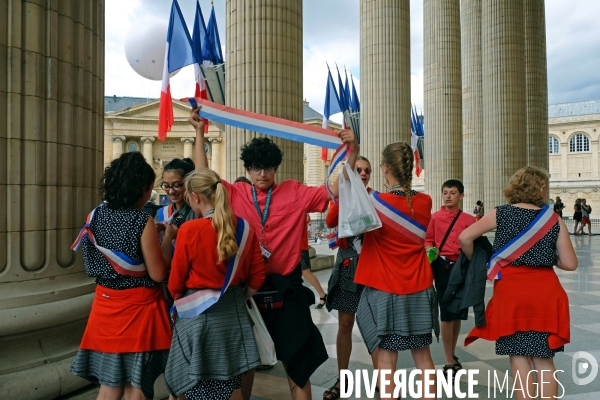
(277,212)
(442,233)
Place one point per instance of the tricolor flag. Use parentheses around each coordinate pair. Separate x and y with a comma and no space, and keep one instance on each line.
(414,132)
(178,54)
(332,106)
(211,49)
(347,92)
(332,240)
(355,100)
(198,38)
(344,103)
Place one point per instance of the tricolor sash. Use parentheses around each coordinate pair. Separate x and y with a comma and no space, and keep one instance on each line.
(398,220)
(198,302)
(332,239)
(338,156)
(265,124)
(119,261)
(165,214)
(521,243)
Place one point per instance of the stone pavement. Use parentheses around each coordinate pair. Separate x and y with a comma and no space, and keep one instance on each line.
(582,286)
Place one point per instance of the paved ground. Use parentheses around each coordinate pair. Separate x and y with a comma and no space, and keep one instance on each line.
(582,286)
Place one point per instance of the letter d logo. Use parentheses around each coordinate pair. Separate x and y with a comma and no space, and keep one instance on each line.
(582,361)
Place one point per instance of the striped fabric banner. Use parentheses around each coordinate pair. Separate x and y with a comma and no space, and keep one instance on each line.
(119,261)
(198,302)
(521,243)
(332,239)
(265,124)
(397,220)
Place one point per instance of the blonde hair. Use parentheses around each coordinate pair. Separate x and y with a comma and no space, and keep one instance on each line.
(526,185)
(399,158)
(207,183)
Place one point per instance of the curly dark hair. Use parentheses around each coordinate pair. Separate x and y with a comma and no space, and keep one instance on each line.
(125,180)
(261,152)
(182,166)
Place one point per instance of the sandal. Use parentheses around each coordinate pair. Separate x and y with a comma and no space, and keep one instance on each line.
(457,363)
(321,305)
(333,392)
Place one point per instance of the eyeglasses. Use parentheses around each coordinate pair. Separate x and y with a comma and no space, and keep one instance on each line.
(177,186)
(258,170)
(367,170)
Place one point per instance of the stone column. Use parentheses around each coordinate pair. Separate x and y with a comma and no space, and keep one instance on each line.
(503,60)
(188,149)
(536,83)
(51,159)
(472,98)
(385,78)
(264,74)
(147,148)
(215,143)
(443,95)
(118,144)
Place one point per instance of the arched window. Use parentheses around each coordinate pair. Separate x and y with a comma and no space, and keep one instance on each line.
(553,145)
(579,143)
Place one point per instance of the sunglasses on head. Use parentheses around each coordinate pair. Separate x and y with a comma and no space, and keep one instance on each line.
(367,170)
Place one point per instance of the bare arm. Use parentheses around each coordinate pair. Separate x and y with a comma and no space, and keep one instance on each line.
(567,260)
(484,225)
(198,123)
(155,264)
(167,243)
(348,139)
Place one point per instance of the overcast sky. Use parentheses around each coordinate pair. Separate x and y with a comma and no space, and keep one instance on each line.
(331,34)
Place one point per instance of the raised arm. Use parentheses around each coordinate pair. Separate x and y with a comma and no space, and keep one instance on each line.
(198,123)
(349,140)
(484,225)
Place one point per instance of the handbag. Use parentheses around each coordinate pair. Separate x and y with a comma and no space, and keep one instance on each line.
(264,343)
(357,214)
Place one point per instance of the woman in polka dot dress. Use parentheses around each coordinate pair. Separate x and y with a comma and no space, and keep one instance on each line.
(528,314)
(126,342)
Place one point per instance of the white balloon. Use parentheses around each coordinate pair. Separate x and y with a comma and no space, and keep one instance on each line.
(145,47)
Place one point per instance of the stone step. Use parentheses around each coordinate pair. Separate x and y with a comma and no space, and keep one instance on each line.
(321,261)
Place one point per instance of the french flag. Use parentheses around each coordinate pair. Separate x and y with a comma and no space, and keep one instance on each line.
(415,133)
(332,106)
(178,54)
(198,37)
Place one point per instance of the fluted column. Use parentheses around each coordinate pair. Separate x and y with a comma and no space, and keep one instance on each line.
(536,83)
(51,158)
(384,78)
(443,95)
(147,148)
(118,145)
(188,149)
(215,143)
(472,99)
(264,74)
(503,60)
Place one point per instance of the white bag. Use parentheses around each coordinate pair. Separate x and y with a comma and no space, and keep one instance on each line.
(357,214)
(266,347)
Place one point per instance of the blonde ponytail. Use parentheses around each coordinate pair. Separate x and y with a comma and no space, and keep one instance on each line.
(208,183)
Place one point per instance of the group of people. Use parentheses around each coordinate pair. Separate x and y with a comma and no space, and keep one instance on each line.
(172,291)
(581,215)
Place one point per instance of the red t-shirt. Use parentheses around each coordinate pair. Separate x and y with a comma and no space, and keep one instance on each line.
(437,228)
(194,264)
(391,262)
(304,240)
(286,220)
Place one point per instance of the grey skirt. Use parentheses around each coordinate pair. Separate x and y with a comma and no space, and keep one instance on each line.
(113,370)
(215,345)
(380,314)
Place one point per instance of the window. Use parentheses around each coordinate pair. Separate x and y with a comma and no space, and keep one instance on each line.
(553,145)
(579,143)
(132,146)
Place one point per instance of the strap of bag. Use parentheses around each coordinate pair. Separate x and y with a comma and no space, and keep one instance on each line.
(448,231)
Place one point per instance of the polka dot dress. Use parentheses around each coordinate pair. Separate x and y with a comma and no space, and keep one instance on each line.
(345,300)
(511,221)
(118,230)
(214,389)
(401,343)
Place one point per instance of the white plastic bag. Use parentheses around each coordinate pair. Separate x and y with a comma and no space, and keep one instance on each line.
(357,214)
(266,347)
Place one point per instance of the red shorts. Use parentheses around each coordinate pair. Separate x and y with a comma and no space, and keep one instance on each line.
(585,220)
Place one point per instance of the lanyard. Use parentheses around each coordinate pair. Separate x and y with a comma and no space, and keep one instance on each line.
(267,203)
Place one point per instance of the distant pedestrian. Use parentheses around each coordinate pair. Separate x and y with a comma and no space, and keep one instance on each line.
(577,216)
(478,211)
(559,206)
(586,210)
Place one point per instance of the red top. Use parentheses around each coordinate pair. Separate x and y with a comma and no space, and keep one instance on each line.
(304,240)
(290,202)
(194,264)
(440,222)
(331,220)
(391,262)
